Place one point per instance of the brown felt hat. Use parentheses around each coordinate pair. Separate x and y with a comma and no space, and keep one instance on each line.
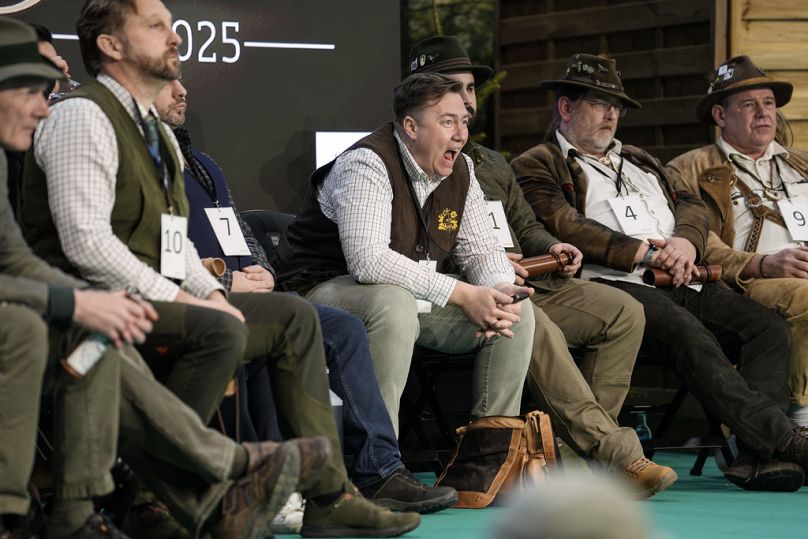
(445,54)
(736,75)
(594,72)
(20,60)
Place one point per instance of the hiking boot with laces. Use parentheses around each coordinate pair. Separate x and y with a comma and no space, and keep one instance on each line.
(793,447)
(352,515)
(648,477)
(401,491)
(152,520)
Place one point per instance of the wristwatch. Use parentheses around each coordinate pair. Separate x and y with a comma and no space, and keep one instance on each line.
(649,254)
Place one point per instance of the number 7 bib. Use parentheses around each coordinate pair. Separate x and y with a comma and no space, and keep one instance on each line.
(173,234)
(631,214)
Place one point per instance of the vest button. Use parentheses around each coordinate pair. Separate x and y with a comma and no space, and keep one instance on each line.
(419,248)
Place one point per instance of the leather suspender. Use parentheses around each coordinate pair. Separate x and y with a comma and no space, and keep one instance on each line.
(761,213)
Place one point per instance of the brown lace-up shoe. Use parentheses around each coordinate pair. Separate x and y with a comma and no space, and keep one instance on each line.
(794,448)
(403,492)
(648,477)
(352,515)
(315,452)
(750,473)
(152,520)
(251,502)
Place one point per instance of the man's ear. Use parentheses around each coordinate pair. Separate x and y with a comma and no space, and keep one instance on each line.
(110,45)
(564,108)
(409,126)
(718,115)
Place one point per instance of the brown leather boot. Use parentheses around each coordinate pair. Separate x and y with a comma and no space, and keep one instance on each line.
(648,477)
(315,452)
(251,502)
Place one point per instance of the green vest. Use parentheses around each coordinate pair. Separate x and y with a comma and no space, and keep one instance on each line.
(140,198)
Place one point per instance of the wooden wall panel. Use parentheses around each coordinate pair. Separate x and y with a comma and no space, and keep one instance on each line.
(772,33)
(664,48)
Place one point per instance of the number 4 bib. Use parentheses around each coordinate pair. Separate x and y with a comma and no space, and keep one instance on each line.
(632,215)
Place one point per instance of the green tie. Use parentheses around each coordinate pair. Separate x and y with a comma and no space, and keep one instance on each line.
(153,139)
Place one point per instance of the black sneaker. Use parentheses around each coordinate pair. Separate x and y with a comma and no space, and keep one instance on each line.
(403,492)
(749,473)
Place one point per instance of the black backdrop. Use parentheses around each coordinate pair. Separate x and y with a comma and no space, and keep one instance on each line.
(256,109)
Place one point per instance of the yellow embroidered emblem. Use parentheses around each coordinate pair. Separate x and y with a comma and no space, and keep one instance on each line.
(447,220)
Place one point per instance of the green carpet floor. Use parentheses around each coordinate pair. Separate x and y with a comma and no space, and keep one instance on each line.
(705,507)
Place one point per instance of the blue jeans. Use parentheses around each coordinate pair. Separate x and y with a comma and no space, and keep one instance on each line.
(367,430)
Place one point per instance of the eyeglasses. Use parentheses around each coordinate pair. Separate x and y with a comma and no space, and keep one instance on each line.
(604,106)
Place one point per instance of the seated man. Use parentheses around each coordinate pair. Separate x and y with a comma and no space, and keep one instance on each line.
(376,232)
(212,483)
(607,323)
(610,200)
(747,180)
(368,433)
(101,204)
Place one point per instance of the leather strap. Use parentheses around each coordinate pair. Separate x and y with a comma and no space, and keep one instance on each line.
(761,213)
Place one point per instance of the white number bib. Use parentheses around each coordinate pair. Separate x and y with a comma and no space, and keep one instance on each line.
(173,237)
(225,225)
(632,215)
(796,217)
(499,223)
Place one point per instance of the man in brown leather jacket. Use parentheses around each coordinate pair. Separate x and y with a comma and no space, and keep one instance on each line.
(615,204)
(755,191)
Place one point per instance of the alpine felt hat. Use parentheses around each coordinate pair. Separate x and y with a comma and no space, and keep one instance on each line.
(445,54)
(736,75)
(593,72)
(19,56)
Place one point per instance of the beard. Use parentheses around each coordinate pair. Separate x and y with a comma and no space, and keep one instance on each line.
(472,115)
(167,67)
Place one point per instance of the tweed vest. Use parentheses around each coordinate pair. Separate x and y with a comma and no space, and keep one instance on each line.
(310,251)
(140,197)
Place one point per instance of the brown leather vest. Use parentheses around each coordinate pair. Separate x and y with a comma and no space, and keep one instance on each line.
(310,251)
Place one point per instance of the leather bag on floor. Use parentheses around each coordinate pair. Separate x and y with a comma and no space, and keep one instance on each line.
(497,455)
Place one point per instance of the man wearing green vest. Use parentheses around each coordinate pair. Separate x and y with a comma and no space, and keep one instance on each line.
(114,182)
(211,483)
(607,324)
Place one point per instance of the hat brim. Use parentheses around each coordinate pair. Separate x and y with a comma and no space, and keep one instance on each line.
(556,84)
(28,71)
(704,108)
(480,73)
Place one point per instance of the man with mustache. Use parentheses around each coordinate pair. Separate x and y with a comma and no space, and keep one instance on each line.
(752,187)
(614,202)
(104,197)
(606,323)
(376,232)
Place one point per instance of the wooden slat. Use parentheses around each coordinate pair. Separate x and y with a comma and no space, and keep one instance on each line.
(635,65)
(654,112)
(773,56)
(773,9)
(772,31)
(720,27)
(800,134)
(797,108)
(604,20)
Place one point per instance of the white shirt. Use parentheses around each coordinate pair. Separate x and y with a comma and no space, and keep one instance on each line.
(602,186)
(357,196)
(762,175)
(77,150)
